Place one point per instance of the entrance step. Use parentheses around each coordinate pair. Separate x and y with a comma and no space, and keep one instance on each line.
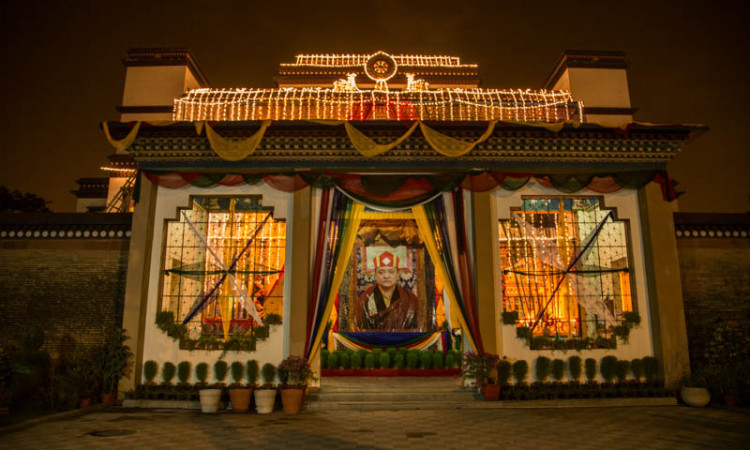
(389,393)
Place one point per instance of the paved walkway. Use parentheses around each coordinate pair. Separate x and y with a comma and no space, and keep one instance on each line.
(663,427)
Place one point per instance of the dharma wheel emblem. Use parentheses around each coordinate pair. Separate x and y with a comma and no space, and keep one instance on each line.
(380,67)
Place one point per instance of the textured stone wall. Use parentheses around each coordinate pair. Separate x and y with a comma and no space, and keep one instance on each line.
(70,286)
(714,254)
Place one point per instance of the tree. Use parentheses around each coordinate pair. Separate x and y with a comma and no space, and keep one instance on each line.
(17,202)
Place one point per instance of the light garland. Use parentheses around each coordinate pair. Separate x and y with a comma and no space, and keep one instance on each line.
(346,103)
(117,169)
(339,60)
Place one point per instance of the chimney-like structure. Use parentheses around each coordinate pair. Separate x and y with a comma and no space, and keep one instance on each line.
(600,80)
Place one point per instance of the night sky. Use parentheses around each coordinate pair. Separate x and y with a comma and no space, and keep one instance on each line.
(62,73)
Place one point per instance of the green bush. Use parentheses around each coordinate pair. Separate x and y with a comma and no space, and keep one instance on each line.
(523,332)
(150,369)
(632,317)
(385,360)
(636,366)
(437,360)
(520,370)
(362,354)
(201,372)
(220,371)
(356,360)
(450,360)
(252,372)
(339,354)
(621,370)
(183,372)
(542,368)
(399,361)
(238,371)
(558,369)
(412,360)
(333,360)
(608,367)
(346,359)
(370,361)
(590,364)
(574,367)
(503,371)
(376,352)
(425,360)
(324,355)
(510,317)
(268,373)
(168,371)
(650,368)
(392,352)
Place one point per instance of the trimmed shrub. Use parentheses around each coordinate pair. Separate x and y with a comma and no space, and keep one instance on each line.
(333,360)
(437,360)
(370,361)
(167,372)
(520,370)
(238,371)
(574,367)
(399,361)
(362,354)
(252,372)
(183,372)
(503,371)
(558,369)
(268,372)
(412,360)
(590,364)
(392,353)
(650,368)
(541,368)
(636,366)
(150,369)
(356,362)
(220,371)
(385,360)
(425,360)
(450,360)
(346,359)
(622,367)
(608,367)
(201,372)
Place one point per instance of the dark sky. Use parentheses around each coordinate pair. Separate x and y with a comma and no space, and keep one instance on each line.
(62,73)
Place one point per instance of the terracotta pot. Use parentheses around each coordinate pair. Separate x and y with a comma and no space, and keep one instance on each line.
(109,398)
(240,399)
(729,400)
(84,403)
(695,396)
(490,392)
(291,400)
(210,400)
(264,400)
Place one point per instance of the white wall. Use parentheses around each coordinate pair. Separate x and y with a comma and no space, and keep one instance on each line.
(640,343)
(161,348)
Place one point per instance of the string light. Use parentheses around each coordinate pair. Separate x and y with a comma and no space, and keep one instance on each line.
(338,60)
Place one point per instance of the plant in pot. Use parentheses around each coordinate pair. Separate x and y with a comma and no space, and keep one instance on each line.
(265,395)
(520,370)
(168,371)
(298,374)
(239,394)
(210,397)
(694,391)
(482,369)
(116,362)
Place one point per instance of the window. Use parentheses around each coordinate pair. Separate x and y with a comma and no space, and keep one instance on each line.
(223,265)
(565,267)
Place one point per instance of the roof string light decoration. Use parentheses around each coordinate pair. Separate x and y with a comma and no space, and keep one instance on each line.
(346,101)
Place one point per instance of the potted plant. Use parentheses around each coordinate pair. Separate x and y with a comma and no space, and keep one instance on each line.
(116,360)
(210,397)
(239,395)
(694,391)
(298,374)
(265,396)
(482,368)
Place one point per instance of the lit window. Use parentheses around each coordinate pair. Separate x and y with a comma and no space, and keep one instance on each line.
(223,265)
(565,266)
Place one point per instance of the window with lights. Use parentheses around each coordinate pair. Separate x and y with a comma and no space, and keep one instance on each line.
(223,266)
(566,267)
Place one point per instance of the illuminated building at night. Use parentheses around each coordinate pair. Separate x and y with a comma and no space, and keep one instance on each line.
(527,221)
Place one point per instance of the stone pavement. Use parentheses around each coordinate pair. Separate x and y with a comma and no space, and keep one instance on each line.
(648,427)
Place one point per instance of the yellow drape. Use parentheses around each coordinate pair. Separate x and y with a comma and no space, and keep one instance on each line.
(125,142)
(235,150)
(367,147)
(347,245)
(425,231)
(450,147)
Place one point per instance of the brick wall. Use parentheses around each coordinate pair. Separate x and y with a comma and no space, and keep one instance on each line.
(714,252)
(65,285)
